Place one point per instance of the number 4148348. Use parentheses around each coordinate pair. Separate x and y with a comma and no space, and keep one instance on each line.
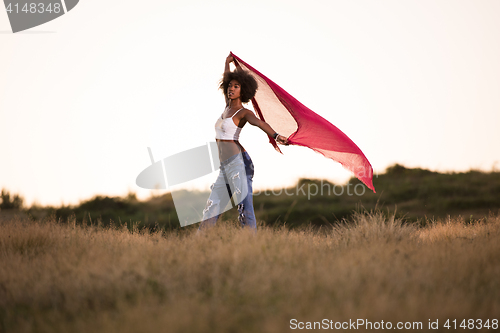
(33,8)
(472,324)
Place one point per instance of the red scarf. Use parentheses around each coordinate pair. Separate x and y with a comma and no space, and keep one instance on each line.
(304,127)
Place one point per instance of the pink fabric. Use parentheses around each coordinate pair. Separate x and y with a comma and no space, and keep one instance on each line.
(304,127)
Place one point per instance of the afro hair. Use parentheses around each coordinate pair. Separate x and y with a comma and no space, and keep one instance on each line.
(247,83)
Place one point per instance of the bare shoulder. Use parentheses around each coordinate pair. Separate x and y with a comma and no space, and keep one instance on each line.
(247,112)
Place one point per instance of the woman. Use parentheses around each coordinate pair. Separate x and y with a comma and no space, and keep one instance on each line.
(236,170)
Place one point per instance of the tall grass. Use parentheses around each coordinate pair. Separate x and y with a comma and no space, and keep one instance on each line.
(73,278)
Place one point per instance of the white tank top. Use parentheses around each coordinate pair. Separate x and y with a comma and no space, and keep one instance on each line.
(225,129)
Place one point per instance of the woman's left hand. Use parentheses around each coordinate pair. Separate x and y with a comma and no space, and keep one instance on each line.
(282,140)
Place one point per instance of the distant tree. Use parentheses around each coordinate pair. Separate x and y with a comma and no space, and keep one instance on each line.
(8,202)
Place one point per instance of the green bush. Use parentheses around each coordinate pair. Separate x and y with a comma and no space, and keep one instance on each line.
(8,202)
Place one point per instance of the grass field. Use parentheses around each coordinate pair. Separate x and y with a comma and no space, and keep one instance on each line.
(66,277)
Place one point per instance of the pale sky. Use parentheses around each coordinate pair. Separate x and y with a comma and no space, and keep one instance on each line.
(83,96)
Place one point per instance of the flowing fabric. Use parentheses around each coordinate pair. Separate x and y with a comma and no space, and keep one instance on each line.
(304,127)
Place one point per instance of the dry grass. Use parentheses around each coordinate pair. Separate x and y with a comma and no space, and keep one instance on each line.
(69,278)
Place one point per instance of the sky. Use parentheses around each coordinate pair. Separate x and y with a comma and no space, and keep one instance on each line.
(84,95)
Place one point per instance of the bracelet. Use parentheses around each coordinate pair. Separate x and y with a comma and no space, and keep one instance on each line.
(275,135)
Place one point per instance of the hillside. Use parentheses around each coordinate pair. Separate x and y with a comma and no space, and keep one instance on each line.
(417,194)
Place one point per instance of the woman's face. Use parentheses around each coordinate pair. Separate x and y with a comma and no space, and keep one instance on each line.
(233,90)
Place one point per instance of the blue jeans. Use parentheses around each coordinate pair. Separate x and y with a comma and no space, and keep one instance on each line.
(234,180)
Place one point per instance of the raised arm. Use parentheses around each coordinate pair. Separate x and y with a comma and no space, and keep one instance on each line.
(229,60)
(253,120)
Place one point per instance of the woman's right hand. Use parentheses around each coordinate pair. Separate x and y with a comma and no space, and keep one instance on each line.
(229,59)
